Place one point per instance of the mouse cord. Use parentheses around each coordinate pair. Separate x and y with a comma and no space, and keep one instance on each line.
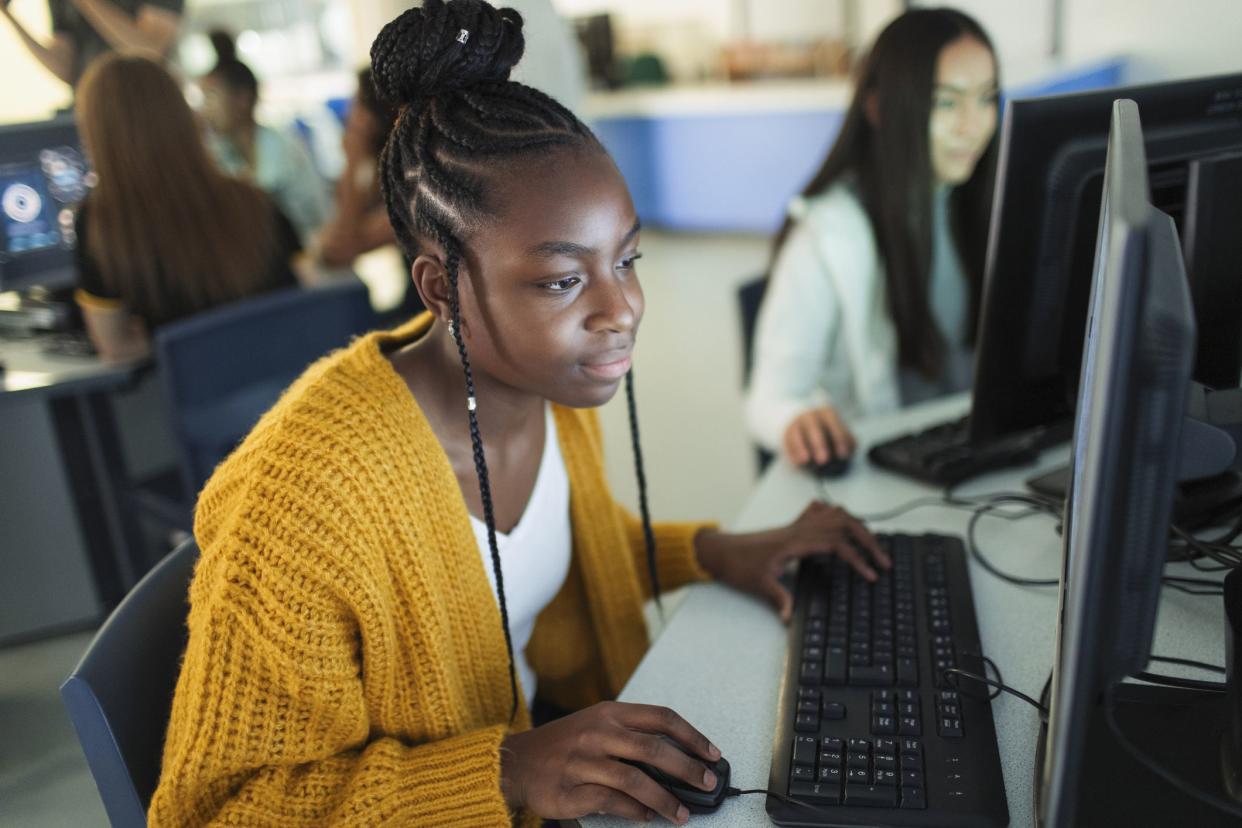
(781,797)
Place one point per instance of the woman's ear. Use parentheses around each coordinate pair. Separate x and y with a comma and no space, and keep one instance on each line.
(432,283)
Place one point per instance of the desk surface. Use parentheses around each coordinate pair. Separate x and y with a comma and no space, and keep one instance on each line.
(30,369)
(720,659)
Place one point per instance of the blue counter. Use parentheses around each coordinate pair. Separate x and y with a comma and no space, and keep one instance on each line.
(730,158)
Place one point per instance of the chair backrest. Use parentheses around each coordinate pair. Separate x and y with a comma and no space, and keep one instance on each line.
(221,369)
(749,298)
(120,694)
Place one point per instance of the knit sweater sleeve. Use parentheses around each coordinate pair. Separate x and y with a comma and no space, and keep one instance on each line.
(269,722)
(676,561)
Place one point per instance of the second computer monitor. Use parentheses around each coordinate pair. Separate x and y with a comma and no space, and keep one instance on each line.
(43,177)
(1135,371)
(1043,235)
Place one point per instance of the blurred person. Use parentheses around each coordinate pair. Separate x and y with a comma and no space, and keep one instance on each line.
(877,271)
(254,152)
(360,223)
(164,234)
(82,30)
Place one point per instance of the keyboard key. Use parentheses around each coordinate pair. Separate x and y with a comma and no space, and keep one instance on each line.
(882,709)
(814,792)
(874,675)
(870,796)
(884,725)
(911,778)
(834,710)
(833,743)
(812,693)
(801,773)
(913,798)
(860,776)
(907,672)
(910,726)
(830,759)
(834,666)
(951,711)
(806,723)
(885,745)
(812,672)
(885,761)
(831,776)
(861,745)
(804,750)
(808,706)
(950,728)
(857,760)
(885,777)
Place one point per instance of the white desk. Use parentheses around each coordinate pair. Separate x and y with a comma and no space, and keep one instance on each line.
(720,660)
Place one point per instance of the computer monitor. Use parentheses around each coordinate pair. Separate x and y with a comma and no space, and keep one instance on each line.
(1043,234)
(43,176)
(1135,374)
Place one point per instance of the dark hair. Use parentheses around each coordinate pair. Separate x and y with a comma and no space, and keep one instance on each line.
(230,71)
(891,166)
(461,119)
(382,110)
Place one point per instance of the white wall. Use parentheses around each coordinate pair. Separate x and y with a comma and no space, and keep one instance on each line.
(31,93)
(1165,38)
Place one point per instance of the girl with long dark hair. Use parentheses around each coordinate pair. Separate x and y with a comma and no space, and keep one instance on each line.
(878,268)
(418,542)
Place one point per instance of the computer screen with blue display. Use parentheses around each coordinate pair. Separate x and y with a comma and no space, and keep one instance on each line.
(43,176)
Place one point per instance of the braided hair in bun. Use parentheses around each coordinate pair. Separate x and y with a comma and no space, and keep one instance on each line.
(446,65)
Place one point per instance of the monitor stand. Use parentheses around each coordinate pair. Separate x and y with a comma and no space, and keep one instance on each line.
(1180,729)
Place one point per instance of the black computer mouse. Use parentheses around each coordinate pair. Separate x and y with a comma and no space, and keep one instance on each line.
(834,467)
(696,800)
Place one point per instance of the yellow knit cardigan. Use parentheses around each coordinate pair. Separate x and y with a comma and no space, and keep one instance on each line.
(346,663)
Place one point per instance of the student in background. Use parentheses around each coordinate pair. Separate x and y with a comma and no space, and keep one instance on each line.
(360,223)
(877,274)
(82,30)
(254,152)
(163,234)
(418,542)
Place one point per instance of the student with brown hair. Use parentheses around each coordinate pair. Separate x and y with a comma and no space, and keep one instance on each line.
(163,234)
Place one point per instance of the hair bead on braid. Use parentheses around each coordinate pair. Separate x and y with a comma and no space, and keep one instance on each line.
(460,114)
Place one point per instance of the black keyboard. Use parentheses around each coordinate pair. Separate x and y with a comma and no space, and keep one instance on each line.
(869,730)
(945,454)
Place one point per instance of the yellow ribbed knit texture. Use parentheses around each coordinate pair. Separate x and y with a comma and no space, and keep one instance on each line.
(346,664)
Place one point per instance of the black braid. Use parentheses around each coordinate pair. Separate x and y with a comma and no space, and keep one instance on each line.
(460,120)
(480,463)
(648,535)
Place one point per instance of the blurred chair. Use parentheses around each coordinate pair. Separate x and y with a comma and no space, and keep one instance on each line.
(749,298)
(120,695)
(220,370)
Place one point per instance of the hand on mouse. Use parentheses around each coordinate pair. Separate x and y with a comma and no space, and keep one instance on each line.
(572,767)
(808,435)
(753,562)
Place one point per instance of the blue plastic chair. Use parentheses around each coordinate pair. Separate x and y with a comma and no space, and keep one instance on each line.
(222,369)
(120,694)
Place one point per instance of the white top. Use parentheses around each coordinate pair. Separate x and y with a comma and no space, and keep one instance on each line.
(824,335)
(534,556)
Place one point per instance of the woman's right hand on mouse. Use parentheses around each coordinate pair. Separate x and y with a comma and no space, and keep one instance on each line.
(573,766)
(807,437)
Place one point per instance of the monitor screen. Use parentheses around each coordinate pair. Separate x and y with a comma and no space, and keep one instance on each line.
(1135,375)
(43,177)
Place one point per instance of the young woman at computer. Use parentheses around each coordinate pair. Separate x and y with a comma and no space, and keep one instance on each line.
(878,267)
(418,540)
(163,234)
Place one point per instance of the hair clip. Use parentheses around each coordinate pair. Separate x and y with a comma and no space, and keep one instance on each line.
(463,36)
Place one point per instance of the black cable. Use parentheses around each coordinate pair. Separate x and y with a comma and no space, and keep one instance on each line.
(787,800)
(977,554)
(1187,662)
(1178,681)
(950,672)
(1191,790)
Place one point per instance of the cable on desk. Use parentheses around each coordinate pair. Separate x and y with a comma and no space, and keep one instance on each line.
(954,672)
(787,800)
(1144,759)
